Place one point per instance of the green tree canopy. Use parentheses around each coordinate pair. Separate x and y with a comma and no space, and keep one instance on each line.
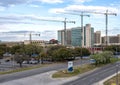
(62,54)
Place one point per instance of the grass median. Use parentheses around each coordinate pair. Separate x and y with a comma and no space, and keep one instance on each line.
(113,81)
(77,70)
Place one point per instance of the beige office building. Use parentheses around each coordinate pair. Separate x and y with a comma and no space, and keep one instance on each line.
(61,37)
(97,38)
(112,40)
(88,36)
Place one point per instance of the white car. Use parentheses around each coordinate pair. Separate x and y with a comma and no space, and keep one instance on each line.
(24,62)
(33,62)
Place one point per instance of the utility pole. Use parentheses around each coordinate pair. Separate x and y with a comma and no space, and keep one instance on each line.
(65,33)
(30,36)
(117,76)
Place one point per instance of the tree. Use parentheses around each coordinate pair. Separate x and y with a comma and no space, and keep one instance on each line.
(42,55)
(16,48)
(113,48)
(97,58)
(53,41)
(3,48)
(77,52)
(81,52)
(85,52)
(19,58)
(50,50)
(62,54)
(102,58)
(107,55)
(32,49)
(1,53)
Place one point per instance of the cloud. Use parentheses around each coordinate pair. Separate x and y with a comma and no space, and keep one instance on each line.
(82,1)
(2,8)
(84,8)
(24,35)
(51,1)
(35,6)
(14,22)
(27,19)
(9,3)
(47,35)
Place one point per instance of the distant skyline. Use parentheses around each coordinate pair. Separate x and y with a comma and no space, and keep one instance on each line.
(25,15)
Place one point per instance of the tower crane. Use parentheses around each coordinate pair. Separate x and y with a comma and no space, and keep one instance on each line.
(15,33)
(64,22)
(106,20)
(81,15)
(30,36)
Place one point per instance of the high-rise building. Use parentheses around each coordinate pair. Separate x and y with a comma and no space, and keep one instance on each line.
(68,37)
(61,37)
(97,38)
(88,36)
(119,38)
(76,35)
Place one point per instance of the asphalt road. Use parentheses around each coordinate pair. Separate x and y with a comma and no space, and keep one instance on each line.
(18,75)
(95,76)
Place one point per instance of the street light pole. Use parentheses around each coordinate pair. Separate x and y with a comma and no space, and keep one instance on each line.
(65,38)
(13,62)
(117,76)
(106,14)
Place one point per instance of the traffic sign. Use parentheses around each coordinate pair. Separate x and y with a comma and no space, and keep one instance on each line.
(70,66)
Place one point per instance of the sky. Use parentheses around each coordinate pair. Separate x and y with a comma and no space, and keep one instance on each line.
(18,18)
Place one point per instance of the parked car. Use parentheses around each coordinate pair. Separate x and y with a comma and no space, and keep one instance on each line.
(33,61)
(25,62)
(92,61)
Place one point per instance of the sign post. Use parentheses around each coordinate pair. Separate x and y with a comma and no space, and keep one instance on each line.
(70,66)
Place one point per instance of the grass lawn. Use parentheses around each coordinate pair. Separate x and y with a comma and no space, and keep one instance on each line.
(21,69)
(77,70)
